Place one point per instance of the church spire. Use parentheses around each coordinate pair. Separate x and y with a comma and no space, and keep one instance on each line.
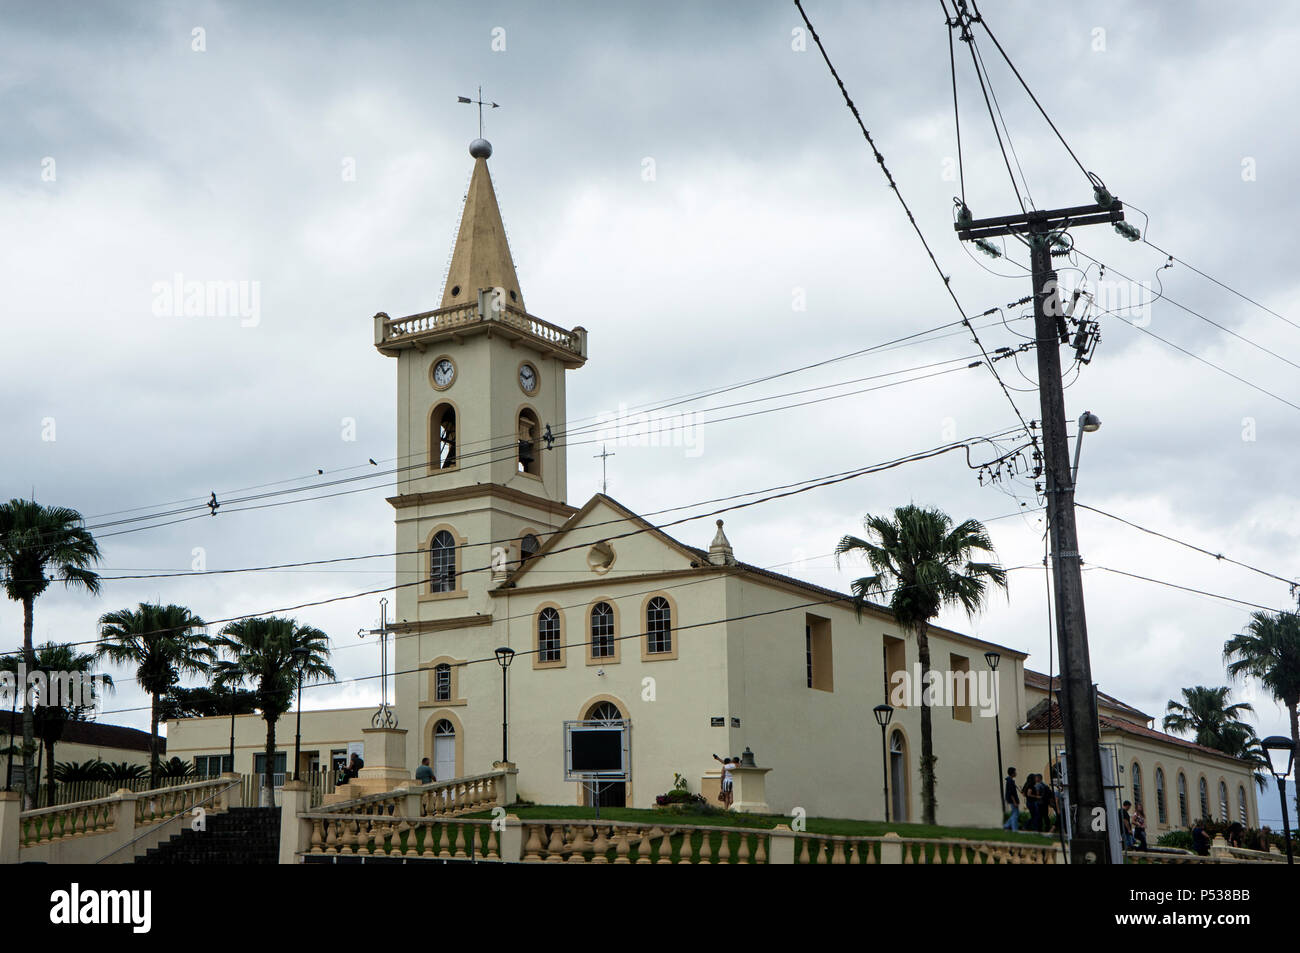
(481,258)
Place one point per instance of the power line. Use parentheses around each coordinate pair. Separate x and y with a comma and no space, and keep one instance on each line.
(1181,542)
(880,160)
(1174,585)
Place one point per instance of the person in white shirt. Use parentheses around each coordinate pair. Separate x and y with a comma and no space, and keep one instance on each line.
(728,765)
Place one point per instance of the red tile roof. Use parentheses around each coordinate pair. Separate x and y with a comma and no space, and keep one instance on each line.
(1052,718)
(1040,681)
(90,733)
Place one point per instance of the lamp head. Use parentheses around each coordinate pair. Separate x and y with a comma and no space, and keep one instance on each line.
(993,658)
(505,656)
(883,713)
(1089,422)
(1280,753)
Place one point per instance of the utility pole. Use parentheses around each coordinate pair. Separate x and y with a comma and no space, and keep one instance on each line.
(1079,712)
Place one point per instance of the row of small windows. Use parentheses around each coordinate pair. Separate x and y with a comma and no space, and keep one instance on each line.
(603,631)
(442,558)
(1184,818)
(442,436)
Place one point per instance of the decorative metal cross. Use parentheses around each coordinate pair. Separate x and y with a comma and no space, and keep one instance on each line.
(384,717)
(480,102)
(602,456)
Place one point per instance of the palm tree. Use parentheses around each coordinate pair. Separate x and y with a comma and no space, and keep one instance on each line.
(923,563)
(40,545)
(163,643)
(52,711)
(1269,651)
(1205,713)
(261,653)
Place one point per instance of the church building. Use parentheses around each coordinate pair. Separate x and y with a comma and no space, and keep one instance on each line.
(610,618)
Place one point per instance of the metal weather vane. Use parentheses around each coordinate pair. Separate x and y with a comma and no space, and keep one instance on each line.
(480,102)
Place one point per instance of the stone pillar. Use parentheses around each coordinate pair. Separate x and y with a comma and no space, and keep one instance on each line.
(385,759)
(1219,847)
(891,853)
(781,849)
(295,831)
(10,828)
(749,790)
(512,841)
(508,785)
(235,796)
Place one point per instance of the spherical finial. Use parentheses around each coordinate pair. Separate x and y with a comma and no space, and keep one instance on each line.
(480,149)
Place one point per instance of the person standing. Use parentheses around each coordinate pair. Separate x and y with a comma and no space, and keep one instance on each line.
(1126,825)
(1139,828)
(424,773)
(1012,798)
(728,766)
(1032,801)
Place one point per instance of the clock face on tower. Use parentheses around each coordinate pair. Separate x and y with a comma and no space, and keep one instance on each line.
(528,378)
(444,372)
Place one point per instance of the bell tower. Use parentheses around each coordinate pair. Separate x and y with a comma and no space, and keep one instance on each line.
(481,476)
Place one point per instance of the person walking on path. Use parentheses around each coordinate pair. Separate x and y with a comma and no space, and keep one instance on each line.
(1012,798)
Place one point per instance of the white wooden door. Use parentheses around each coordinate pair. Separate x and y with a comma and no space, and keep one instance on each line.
(444,757)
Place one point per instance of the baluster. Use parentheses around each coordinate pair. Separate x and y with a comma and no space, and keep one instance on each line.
(331,837)
(444,841)
(620,846)
(348,844)
(600,846)
(316,836)
(742,855)
(760,855)
(837,856)
(724,847)
(579,845)
(665,846)
(706,848)
(641,838)
(460,843)
(493,845)
(533,844)
(686,852)
(555,849)
(366,832)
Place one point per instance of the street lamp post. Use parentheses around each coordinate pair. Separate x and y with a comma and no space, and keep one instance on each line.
(504,657)
(300,654)
(1088,423)
(993,658)
(13,713)
(234,676)
(1281,756)
(883,714)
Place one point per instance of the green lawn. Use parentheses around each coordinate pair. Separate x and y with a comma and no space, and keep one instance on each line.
(815,825)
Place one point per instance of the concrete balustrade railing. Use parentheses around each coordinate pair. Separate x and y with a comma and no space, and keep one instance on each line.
(439,799)
(114,829)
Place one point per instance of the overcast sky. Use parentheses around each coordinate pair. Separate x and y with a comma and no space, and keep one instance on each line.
(317,151)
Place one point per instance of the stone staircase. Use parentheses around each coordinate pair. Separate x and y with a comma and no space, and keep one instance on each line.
(242,835)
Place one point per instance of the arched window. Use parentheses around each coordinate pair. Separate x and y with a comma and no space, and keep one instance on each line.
(1242,813)
(659,625)
(1183,819)
(1137,785)
(1162,813)
(602,630)
(548,635)
(606,712)
(1204,791)
(1223,801)
(530,431)
(442,682)
(442,562)
(442,436)
(898,775)
(528,547)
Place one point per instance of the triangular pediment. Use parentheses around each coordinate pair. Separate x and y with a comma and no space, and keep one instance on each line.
(603,541)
